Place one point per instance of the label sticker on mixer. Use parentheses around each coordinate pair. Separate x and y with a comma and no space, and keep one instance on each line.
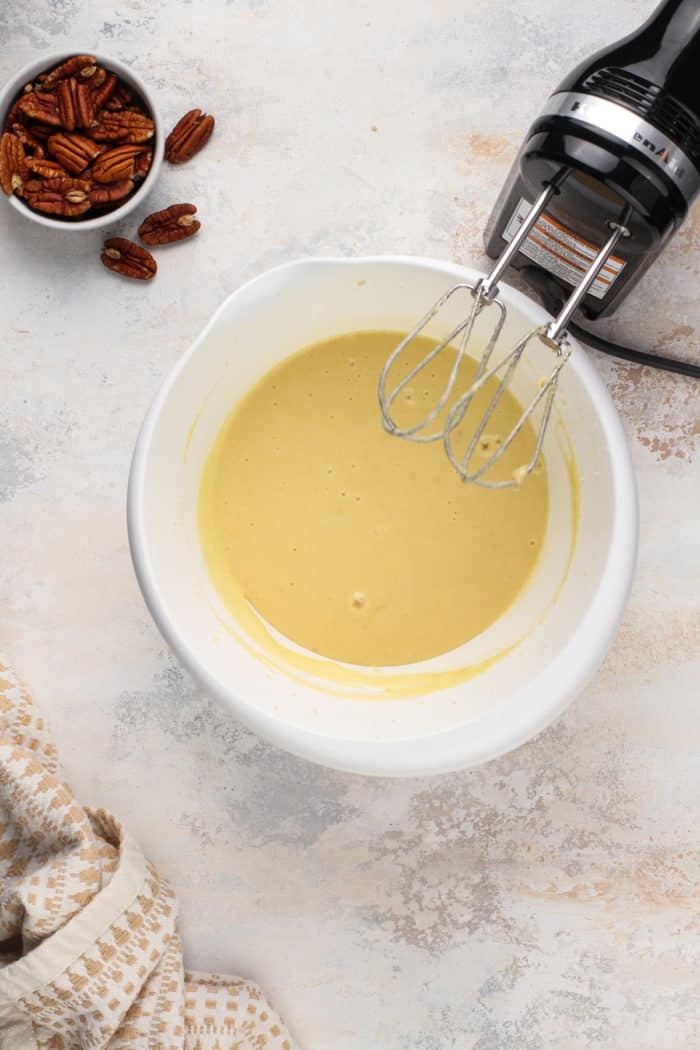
(561,252)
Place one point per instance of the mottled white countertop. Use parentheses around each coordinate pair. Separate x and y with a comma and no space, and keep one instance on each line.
(550,899)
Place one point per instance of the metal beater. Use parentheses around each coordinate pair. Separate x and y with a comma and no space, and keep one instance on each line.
(616,149)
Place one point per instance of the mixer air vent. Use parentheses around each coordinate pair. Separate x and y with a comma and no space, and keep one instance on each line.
(651,103)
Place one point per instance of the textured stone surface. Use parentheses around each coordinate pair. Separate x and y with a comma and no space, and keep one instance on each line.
(550,899)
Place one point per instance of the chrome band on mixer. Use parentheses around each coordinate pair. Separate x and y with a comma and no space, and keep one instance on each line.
(623,124)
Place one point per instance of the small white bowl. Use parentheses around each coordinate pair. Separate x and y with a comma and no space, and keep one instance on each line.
(527,666)
(13,88)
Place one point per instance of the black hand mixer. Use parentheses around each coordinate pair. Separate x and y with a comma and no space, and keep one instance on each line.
(604,178)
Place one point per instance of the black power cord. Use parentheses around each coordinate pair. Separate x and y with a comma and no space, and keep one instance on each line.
(552,299)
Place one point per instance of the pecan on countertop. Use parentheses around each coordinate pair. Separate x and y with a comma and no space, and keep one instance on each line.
(128,259)
(172,224)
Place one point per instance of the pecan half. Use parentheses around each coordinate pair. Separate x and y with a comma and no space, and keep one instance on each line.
(76,65)
(123,125)
(128,259)
(189,135)
(73,151)
(48,169)
(142,164)
(98,78)
(115,191)
(41,106)
(103,91)
(13,164)
(65,94)
(13,112)
(66,197)
(31,144)
(116,164)
(84,106)
(169,225)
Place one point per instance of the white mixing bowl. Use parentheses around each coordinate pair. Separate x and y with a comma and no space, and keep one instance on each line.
(524,669)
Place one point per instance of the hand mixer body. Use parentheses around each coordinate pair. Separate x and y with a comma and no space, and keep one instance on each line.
(625,127)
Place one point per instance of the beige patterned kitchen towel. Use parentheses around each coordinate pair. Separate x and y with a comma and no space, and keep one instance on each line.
(90,954)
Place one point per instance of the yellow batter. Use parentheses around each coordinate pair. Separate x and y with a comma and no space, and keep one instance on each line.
(359,546)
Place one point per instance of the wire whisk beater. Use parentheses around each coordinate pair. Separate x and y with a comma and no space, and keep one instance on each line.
(442,420)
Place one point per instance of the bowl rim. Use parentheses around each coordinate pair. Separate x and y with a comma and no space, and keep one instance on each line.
(10,90)
(530,708)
